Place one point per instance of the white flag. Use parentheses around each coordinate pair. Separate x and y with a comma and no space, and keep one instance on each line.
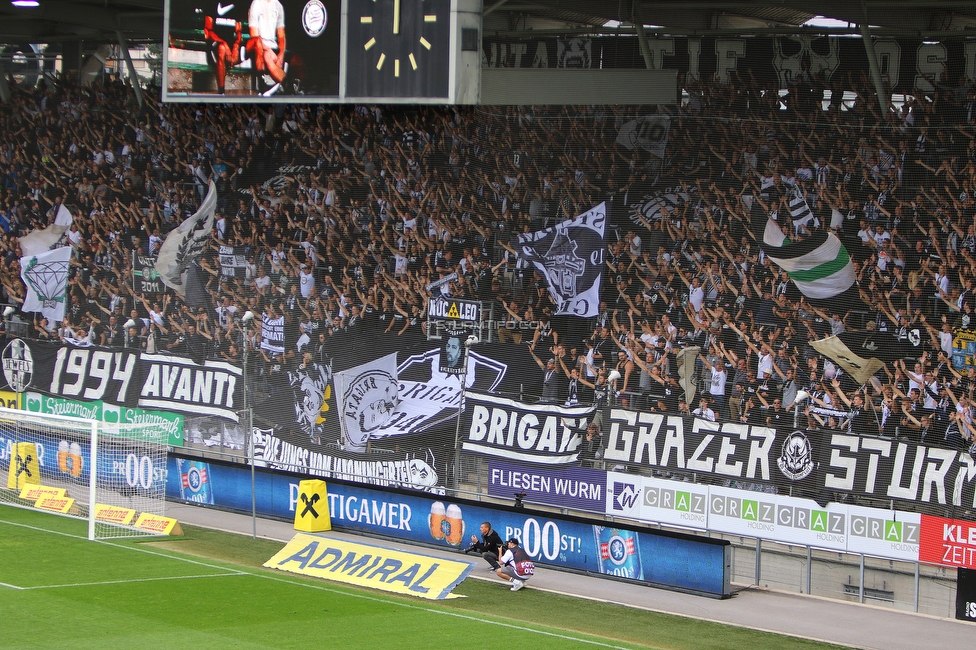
(46,278)
(39,241)
(649,133)
(186,244)
(368,398)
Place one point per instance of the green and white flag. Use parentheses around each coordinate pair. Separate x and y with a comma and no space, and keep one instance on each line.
(819,265)
(46,277)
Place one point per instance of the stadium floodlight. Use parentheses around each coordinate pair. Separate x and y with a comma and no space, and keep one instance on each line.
(25,3)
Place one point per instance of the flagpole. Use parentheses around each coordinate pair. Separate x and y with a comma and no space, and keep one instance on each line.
(245,350)
(470,341)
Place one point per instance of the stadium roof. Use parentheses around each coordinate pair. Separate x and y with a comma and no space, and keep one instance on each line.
(96,21)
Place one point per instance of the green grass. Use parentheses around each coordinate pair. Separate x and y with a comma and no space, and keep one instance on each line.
(209,590)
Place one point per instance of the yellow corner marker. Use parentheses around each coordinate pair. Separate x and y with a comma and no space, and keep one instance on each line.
(312,508)
(24,468)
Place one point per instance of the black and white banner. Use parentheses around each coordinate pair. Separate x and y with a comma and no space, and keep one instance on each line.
(398,470)
(273,334)
(649,133)
(124,378)
(442,308)
(368,398)
(911,65)
(233,264)
(571,257)
(725,450)
(535,433)
(145,278)
(886,469)
(185,244)
(178,384)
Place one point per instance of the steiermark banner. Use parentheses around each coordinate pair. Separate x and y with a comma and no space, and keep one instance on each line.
(164,427)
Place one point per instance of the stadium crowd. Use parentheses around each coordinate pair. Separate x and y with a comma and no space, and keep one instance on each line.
(345,215)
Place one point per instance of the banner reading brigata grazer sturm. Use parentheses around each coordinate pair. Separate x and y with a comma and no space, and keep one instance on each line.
(534,433)
(570,256)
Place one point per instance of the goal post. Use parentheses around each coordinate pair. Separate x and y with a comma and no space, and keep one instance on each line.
(108,474)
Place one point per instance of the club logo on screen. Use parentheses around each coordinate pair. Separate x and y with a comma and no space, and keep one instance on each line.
(314,18)
(18,365)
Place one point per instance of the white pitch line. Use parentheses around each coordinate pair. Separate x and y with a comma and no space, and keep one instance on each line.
(128,548)
(337,591)
(120,582)
(4,584)
(430,610)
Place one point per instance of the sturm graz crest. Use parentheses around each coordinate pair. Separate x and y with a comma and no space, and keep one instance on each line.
(563,266)
(796,461)
(915,337)
(18,365)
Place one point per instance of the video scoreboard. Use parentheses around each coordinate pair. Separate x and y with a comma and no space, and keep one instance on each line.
(250,51)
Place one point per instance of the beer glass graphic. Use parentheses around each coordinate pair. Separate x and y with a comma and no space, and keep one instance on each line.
(455,532)
(437,520)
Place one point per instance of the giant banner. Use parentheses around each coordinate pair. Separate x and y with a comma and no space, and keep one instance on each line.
(822,464)
(727,451)
(910,65)
(124,378)
(506,428)
(395,400)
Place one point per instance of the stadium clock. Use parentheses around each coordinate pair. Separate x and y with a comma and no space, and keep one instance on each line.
(398,48)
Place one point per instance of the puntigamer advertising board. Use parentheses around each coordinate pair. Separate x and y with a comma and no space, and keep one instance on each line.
(672,560)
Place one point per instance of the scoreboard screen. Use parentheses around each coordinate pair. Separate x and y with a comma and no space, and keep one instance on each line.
(325,51)
(251,50)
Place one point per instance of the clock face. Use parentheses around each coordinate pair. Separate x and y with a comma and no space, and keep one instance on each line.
(398,48)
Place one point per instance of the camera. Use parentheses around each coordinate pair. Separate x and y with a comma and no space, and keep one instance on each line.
(518,499)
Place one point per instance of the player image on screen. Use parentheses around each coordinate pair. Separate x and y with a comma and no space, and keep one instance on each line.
(266,45)
(223,35)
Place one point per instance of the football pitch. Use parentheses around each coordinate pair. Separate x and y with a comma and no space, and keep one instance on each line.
(58,590)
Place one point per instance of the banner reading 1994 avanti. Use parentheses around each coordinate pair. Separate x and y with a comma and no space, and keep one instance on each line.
(124,378)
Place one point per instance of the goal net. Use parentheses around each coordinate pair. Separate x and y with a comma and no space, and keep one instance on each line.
(83,469)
